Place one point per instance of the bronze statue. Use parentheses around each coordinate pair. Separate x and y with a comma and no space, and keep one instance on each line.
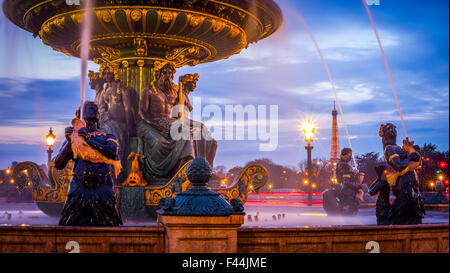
(204,144)
(116,114)
(97,84)
(408,206)
(163,155)
(91,200)
(381,188)
(344,198)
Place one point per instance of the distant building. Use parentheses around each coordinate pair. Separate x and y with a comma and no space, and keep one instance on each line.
(334,154)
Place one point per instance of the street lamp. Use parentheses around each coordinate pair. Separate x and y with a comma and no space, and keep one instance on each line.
(50,142)
(308,130)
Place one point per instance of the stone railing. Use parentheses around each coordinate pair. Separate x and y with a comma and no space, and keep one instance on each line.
(358,239)
(397,239)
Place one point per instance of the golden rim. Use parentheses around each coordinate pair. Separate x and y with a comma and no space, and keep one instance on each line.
(137,7)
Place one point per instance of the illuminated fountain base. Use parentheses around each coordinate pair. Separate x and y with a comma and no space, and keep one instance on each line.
(277,229)
(256,216)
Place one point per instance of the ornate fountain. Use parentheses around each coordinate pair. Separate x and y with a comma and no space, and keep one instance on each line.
(134,39)
(133,34)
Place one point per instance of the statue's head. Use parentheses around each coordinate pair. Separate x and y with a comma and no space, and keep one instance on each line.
(91,113)
(190,81)
(346,154)
(110,73)
(95,81)
(388,134)
(164,76)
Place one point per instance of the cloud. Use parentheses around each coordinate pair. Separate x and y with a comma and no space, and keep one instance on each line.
(349,92)
(245,69)
(12,87)
(31,132)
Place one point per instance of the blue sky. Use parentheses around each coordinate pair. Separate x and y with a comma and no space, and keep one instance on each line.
(39,88)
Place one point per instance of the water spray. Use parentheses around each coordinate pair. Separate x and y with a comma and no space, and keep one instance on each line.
(305,25)
(385,63)
(84,52)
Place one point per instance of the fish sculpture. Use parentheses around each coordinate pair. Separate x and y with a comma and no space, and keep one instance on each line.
(84,151)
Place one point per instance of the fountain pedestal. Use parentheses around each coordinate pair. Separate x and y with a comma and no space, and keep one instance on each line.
(201,234)
(200,220)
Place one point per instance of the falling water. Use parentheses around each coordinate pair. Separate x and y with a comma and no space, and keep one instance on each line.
(84,51)
(385,63)
(305,25)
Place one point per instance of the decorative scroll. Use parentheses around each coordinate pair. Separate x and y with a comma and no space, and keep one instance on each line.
(184,55)
(253,177)
(154,194)
(45,189)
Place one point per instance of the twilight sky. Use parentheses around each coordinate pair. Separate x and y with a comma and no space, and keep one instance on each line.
(39,88)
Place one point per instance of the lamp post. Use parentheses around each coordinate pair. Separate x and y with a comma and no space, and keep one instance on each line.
(50,142)
(308,130)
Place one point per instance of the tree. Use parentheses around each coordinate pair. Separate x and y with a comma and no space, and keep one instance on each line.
(321,175)
(220,171)
(367,163)
(431,158)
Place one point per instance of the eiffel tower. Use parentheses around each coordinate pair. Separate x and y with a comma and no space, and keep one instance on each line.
(334,154)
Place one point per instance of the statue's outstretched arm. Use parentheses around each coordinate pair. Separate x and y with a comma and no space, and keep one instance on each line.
(108,148)
(64,156)
(398,164)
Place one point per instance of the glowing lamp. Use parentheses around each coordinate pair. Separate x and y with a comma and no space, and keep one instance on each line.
(441,177)
(308,130)
(305,182)
(314,186)
(8,171)
(50,138)
(11,181)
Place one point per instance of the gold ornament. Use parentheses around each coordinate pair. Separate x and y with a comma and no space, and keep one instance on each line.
(381,132)
(189,78)
(167,16)
(92,75)
(106,16)
(196,20)
(83,151)
(135,178)
(136,15)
